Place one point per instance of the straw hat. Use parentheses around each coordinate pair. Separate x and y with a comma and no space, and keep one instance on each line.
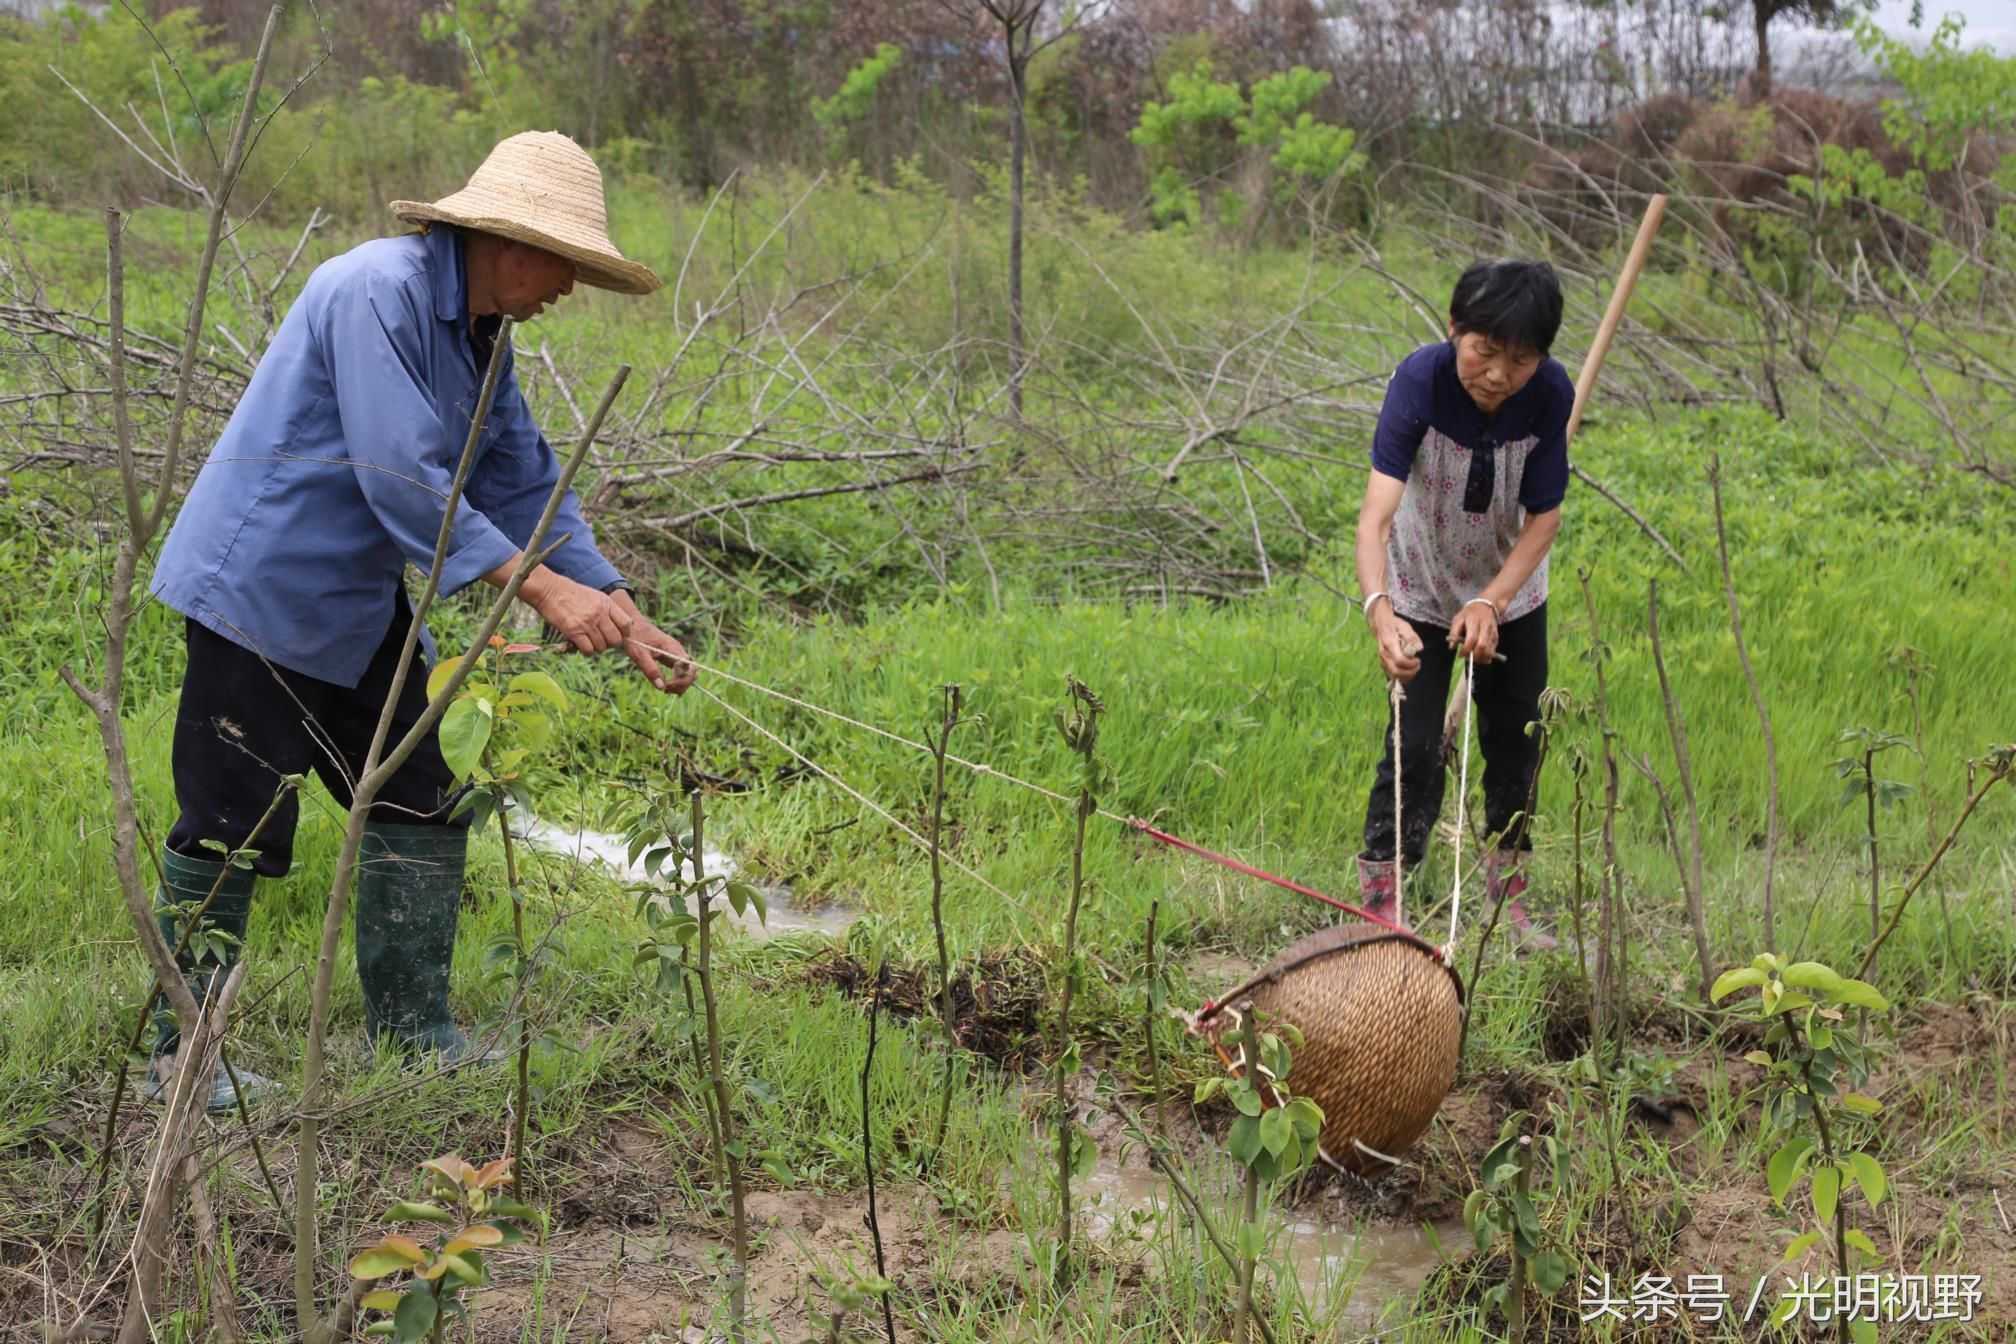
(539,187)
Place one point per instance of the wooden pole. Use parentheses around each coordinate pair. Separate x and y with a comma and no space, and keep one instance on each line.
(1613,317)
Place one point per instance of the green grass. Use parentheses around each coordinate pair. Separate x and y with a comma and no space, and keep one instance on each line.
(1249,726)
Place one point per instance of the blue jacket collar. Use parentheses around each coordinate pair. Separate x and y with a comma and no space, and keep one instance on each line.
(451,278)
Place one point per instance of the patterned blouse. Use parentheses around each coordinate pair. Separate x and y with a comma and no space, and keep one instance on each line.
(1472,480)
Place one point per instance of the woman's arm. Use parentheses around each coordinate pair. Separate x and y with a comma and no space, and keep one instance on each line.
(1396,638)
(1473,631)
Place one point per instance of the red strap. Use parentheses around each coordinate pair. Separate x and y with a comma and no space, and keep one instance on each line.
(1264,876)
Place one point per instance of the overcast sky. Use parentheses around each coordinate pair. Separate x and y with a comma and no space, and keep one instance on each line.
(1990,21)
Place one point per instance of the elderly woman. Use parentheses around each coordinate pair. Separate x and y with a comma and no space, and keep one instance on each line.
(1469,467)
(288,561)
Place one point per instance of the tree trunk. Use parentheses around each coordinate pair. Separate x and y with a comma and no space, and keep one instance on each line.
(1761,12)
(1017,153)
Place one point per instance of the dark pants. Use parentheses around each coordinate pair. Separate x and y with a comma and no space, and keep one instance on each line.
(244,722)
(1506,699)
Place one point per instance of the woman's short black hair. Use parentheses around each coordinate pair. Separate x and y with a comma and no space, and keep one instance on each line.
(1514,302)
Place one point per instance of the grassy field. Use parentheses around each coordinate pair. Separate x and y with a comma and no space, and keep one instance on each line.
(1251,727)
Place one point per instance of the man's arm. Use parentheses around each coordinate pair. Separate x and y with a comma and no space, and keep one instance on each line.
(572,590)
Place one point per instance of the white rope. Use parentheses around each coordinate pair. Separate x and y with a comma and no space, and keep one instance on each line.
(1463,790)
(863,799)
(1399,863)
(977,767)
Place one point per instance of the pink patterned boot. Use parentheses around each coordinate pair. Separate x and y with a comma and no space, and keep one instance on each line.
(1378,890)
(1504,875)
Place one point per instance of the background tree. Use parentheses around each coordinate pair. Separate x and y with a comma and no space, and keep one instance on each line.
(1820,13)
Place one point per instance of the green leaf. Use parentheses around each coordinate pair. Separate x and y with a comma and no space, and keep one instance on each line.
(415,1316)
(1799,1246)
(1861,994)
(1529,1217)
(1826,1191)
(377,1264)
(438,677)
(1550,1271)
(1275,1132)
(543,686)
(743,895)
(535,730)
(1207,1088)
(1307,1117)
(1741,978)
(1244,1140)
(378,1330)
(1246,1098)
(381,1299)
(467,1267)
(465,731)
(1811,975)
(1788,1000)
(406,1211)
(1084,1154)
(1859,1239)
(387,1257)
(1868,1174)
(508,1234)
(1862,1331)
(1860,1104)
(1783,1169)
(1759,1058)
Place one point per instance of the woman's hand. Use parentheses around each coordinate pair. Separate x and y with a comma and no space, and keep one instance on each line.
(1398,644)
(1474,632)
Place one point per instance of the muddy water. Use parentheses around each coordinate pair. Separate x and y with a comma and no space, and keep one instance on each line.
(1357,1272)
(610,853)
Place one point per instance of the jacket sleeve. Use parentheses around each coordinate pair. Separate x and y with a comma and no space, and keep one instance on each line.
(374,341)
(513,481)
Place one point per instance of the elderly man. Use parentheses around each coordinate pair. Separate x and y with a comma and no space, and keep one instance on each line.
(289,555)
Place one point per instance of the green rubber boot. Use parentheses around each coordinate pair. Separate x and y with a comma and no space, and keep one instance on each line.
(409,895)
(187,882)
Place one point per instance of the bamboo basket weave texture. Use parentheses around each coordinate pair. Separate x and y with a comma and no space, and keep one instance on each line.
(1381,1021)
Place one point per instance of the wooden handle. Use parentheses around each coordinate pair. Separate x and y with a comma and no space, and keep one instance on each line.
(1613,317)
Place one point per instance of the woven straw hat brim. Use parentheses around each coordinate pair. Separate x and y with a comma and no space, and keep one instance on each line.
(596,262)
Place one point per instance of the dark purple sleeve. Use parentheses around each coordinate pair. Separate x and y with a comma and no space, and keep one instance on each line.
(1403,421)
(1545,482)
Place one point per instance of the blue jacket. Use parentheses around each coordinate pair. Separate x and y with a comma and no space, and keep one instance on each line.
(334,470)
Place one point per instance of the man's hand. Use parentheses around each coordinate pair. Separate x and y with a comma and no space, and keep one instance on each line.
(589,620)
(1474,632)
(1398,644)
(661,658)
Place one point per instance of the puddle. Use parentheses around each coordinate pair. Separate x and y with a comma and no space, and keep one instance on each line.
(1357,1272)
(610,853)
